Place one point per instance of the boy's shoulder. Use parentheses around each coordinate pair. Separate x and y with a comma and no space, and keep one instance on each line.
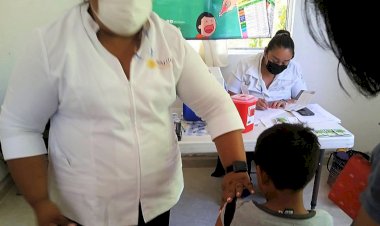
(322,217)
(248,212)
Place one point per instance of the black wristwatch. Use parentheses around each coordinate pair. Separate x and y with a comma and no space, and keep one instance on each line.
(237,166)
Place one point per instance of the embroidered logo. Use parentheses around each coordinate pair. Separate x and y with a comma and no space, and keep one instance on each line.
(164,63)
(150,63)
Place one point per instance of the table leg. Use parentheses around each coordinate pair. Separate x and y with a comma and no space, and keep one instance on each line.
(317,180)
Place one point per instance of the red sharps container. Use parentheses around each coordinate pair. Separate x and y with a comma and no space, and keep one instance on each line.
(246,105)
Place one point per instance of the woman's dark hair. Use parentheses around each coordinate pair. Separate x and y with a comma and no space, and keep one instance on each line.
(288,153)
(281,39)
(348,34)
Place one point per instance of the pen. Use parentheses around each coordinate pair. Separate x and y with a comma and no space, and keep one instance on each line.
(263,96)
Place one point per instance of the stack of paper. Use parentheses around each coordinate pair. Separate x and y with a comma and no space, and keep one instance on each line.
(320,115)
(303,98)
(267,115)
(268,122)
(331,132)
(196,128)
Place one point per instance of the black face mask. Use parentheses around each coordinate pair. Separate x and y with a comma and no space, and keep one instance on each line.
(275,68)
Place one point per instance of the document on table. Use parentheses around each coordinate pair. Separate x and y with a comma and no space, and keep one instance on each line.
(331,132)
(272,116)
(303,98)
(197,128)
(320,115)
(269,122)
(267,114)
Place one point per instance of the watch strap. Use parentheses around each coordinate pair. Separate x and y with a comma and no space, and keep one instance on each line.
(237,166)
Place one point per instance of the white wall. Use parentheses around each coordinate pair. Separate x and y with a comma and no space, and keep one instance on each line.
(358,114)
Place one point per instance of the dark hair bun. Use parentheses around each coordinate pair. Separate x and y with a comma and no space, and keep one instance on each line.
(282,32)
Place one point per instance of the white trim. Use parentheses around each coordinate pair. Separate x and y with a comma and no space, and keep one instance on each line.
(245,51)
(291,15)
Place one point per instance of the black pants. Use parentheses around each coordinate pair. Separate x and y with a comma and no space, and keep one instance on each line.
(219,170)
(160,220)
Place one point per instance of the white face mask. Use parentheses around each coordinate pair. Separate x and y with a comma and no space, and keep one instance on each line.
(124,17)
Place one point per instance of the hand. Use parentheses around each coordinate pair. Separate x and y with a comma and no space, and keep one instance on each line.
(48,214)
(278,104)
(261,104)
(233,185)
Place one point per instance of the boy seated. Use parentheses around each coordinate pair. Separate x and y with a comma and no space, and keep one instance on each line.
(286,158)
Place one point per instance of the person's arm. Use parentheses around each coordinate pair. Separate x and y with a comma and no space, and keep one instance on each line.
(30,100)
(219,221)
(30,177)
(278,104)
(204,95)
(231,148)
(299,83)
(235,80)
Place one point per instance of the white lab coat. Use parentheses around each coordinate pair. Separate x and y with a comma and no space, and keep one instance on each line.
(285,85)
(111,142)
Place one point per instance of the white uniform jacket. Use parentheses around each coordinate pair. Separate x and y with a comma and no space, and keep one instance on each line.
(285,85)
(111,141)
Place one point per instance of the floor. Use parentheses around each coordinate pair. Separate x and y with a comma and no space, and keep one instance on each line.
(198,205)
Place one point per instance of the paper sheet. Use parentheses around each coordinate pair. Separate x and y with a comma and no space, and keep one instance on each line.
(320,115)
(270,113)
(197,128)
(303,99)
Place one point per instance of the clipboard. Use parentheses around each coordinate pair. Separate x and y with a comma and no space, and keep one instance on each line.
(303,98)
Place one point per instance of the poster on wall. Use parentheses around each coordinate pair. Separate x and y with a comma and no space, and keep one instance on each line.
(218,19)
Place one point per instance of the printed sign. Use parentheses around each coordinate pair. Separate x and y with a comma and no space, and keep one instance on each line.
(218,19)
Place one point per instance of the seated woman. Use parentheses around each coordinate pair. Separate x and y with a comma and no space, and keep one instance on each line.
(272,76)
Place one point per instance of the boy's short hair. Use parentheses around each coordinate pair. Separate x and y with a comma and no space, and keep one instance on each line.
(288,153)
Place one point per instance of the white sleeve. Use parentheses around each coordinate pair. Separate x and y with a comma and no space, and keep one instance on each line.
(299,82)
(29,102)
(200,90)
(235,81)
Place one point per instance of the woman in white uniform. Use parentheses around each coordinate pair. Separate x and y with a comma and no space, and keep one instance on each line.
(273,77)
(105,75)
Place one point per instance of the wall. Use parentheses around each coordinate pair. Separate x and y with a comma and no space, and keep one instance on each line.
(358,114)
